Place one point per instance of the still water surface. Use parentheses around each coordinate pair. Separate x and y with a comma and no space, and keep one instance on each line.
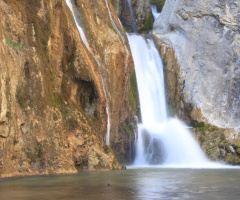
(145,183)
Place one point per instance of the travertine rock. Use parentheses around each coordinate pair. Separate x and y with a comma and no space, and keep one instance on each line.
(54,91)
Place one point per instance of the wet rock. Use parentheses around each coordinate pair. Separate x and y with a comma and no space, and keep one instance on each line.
(231,148)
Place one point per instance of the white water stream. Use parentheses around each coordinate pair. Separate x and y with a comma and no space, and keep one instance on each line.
(161,140)
(155,12)
(84,39)
(132,16)
(80,30)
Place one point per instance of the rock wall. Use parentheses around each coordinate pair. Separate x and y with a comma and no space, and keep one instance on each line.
(205,37)
(54,91)
(199,43)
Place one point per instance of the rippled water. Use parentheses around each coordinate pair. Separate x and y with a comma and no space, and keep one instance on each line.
(146,183)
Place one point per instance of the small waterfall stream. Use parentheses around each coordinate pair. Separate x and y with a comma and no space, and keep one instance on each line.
(80,30)
(84,39)
(132,16)
(155,12)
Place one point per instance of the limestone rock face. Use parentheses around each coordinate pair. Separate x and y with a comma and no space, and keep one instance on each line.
(206,40)
(54,91)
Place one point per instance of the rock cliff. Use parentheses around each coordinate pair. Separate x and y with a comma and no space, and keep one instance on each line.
(205,36)
(58,97)
(200,45)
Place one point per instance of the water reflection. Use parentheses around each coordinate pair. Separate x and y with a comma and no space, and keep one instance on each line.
(154,183)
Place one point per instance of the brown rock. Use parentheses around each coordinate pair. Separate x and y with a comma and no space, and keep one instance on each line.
(53,93)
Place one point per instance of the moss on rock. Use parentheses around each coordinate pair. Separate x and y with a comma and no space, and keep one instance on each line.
(148,24)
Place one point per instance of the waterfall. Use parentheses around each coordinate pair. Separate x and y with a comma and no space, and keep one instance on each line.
(132,16)
(107,138)
(155,12)
(161,140)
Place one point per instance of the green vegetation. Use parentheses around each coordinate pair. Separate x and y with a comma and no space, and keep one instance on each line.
(16,45)
(159,4)
(128,128)
(222,137)
(133,91)
(133,95)
(233,159)
(22,98)
(42,28)
(139,115)
(8,115)
(51,85)
(132,99)
(148,24)
(108,149)
(113,166)
(200,126)
(111,26)
(202,138)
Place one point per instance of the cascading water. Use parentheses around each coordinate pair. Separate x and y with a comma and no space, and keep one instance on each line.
(132,16)
(155,12)
(161,140)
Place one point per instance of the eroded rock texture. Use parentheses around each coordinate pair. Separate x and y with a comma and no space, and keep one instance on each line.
(54,91)
(205,37)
